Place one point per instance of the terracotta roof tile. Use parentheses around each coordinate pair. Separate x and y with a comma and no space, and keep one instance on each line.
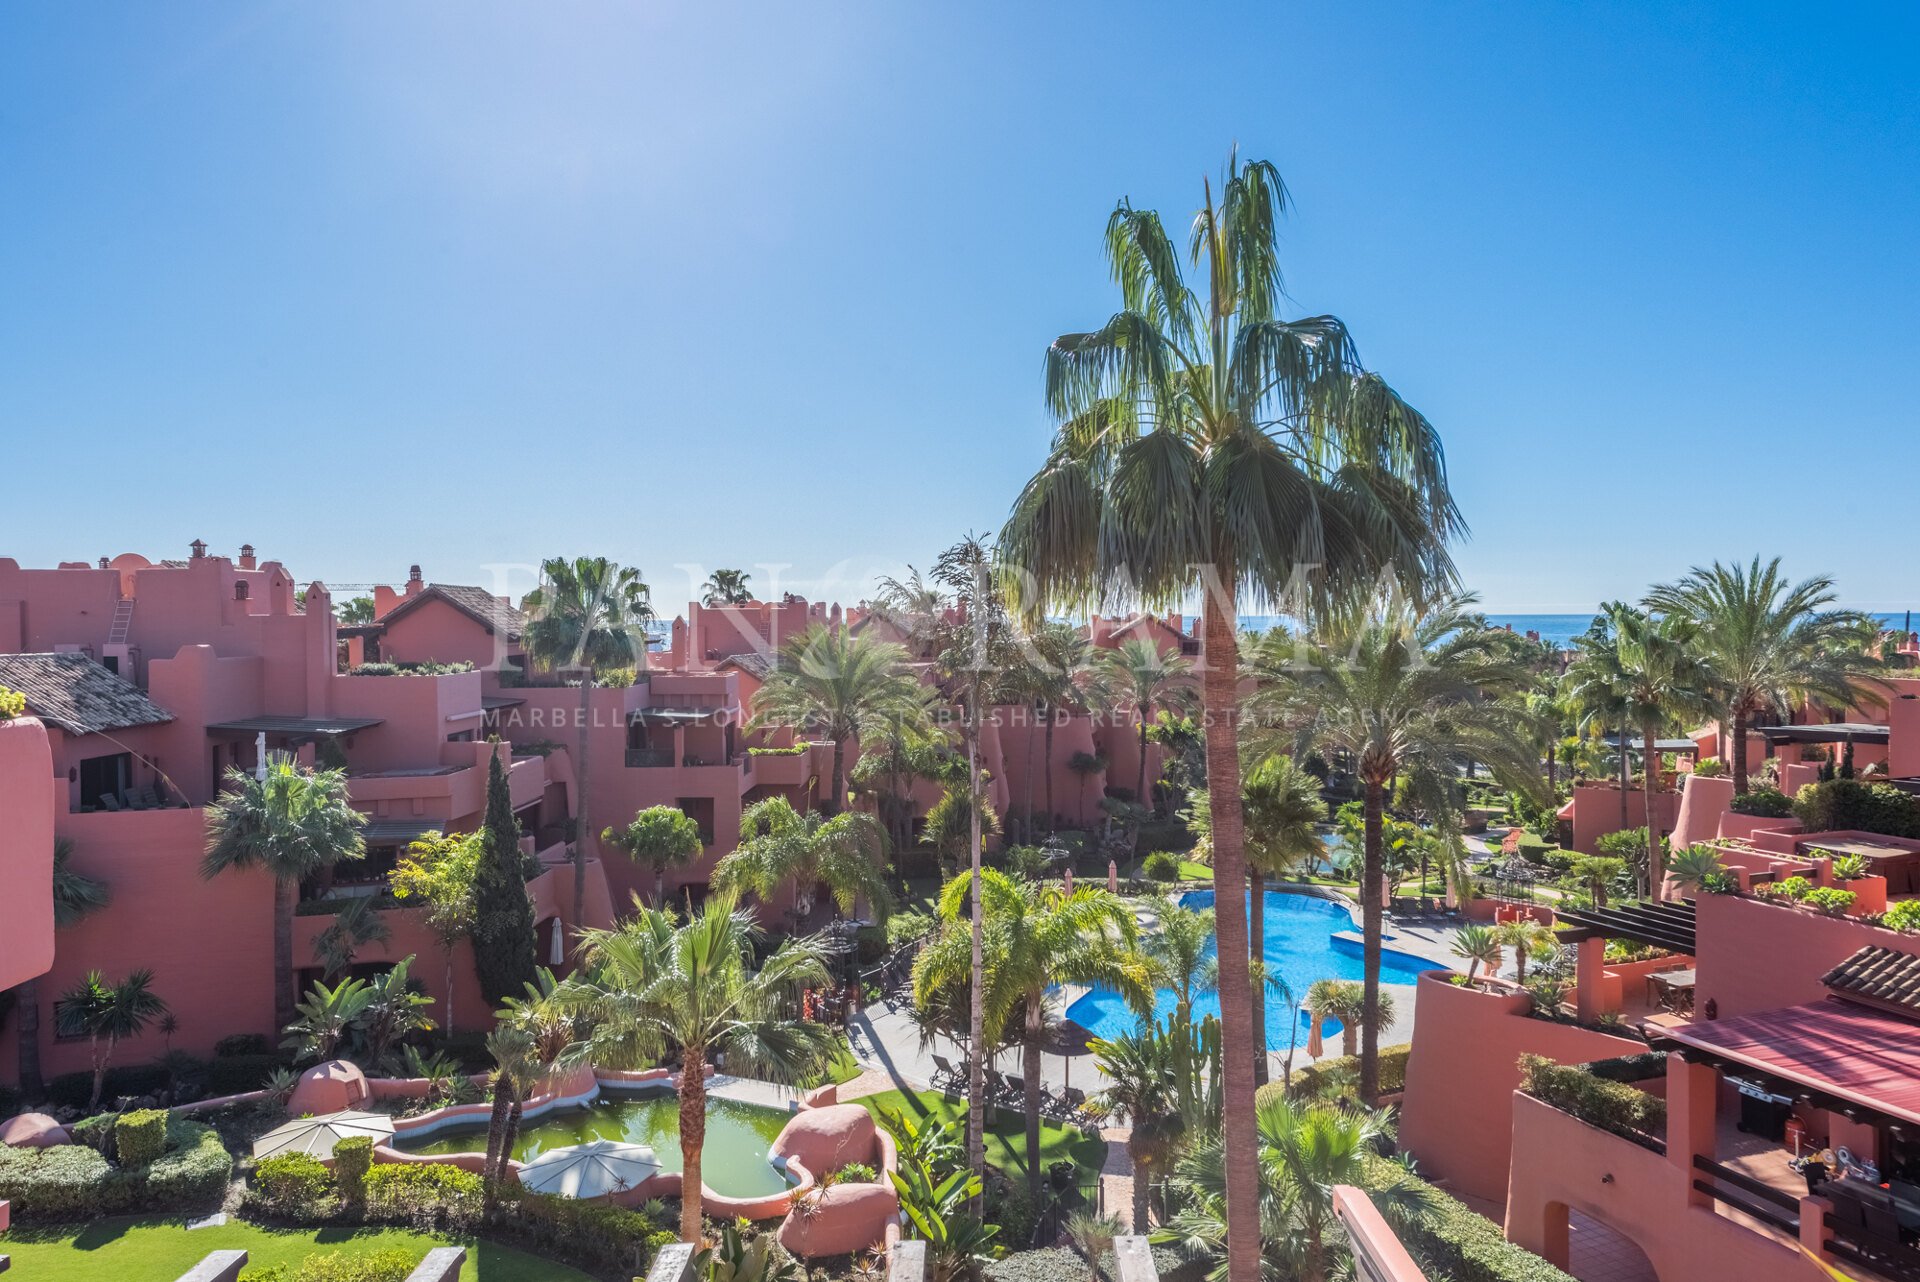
(78,695)
(1884,976)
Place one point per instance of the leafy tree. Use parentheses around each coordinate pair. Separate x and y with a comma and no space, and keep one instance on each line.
(505,953)
(1034,936)
(439,874)
(588,614)
(840,684)
(658,837)
(1768,644)
(75,895)
(726,587)
(1210,445)
(779,847)
(293,824)
(650,986)
(354,611)
(98,1010)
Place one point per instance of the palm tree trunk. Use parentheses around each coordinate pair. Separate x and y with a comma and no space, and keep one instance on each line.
(1142,1188)
(1374,804)
(511,1135)
(1624,782)
(1049,768)
(693,1134)
(1220,698)
(99,1068)
(976,974)
(496,1132)
(1026,823)
(581,828)
(1030,1069)
(832,803)
(1257,949)
(1140,790)
(284,893)
(1739,747)
(446,950)
(1656,866)
(27,999)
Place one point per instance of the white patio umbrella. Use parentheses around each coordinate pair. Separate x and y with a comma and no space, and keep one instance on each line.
(316,1136)
(589,1170)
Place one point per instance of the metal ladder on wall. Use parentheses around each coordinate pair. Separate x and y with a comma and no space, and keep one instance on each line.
(122,621)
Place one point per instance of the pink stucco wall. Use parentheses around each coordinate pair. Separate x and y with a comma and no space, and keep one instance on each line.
(26,851)
(1754,955)
(1596,812)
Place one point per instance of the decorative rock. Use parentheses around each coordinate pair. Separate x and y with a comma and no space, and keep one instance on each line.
(840,1219)
(821,1096)
(33,1130)
(826,1139)
(331,1087)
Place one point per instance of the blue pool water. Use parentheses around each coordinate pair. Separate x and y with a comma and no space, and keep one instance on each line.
(1300,948)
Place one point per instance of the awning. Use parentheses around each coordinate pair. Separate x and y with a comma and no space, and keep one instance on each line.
(309,727)
(1840,1053)
(494,702)
(1635,744)
(1832,732)
(396,832)
(1666,925)
(682,714)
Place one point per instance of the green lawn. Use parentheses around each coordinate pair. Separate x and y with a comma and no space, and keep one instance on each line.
(844,1067)
(1006,1132)
(160,1250)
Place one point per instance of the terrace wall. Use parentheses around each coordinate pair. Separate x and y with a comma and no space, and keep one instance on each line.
(26,851)
(1596,812)
(1755,955)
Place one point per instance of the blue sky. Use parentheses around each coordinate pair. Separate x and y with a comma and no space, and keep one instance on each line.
(696,285)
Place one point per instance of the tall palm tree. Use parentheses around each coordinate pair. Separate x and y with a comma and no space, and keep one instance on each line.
(1400,690)
(651,986)
(1284,811)
(659,837)
(1769,644)
(1209,444)
(1179,951)
(1140,674)
(587,614)
(781,848)
(726,587)
(1593,691)
(94,1009)
(841,684)
(1036,935)
(513,1069)
(294,823)
(1306,1151)
(1140,1088)
(75,895)
(1069,677)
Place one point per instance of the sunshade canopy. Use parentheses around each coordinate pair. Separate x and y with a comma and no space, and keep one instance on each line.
(316,1136)
(590,1170)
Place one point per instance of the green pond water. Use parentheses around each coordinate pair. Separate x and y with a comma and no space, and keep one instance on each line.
(733,1160)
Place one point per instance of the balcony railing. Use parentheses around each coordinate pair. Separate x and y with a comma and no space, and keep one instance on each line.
(1753,1197)
(637,757)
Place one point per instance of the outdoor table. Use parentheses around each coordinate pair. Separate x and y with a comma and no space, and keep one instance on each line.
(1674,982)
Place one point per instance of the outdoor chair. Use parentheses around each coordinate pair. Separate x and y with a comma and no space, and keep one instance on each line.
(1016,1086)
(944,1073)
(109,802)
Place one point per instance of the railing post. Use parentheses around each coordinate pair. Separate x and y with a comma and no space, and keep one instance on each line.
(673,1263)
(441,1265)
(220,1266)
(1133,1260)
(907,1262)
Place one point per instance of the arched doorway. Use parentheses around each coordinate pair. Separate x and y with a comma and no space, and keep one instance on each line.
(1599,1253)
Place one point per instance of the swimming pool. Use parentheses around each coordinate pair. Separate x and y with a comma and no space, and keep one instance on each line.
(733,1161)
(1300,948)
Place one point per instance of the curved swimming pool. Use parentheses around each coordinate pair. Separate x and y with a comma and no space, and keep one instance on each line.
(1300,948)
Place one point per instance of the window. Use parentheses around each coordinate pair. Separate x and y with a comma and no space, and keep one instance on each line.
(700,810)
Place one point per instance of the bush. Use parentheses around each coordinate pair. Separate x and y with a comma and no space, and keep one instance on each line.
(12,704)
(98,1133)
(904,928)
(1161,866)
(77,1181)
(1335,1072)
(424,1196)
(857,1173)
(1644,1067)
(1609,1105)
(1008,1204)
(1710,768)
(1903,916)
(389,1264)
(293,1185)
(241,1044)
(1830,900)
(352,1158)
(1850,805)
(595,1238)
(73,1090)
(1459,1243)
(140,1136)
(1768,803)
(1793,888)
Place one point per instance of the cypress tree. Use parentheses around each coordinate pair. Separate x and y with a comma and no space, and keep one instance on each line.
(504,953)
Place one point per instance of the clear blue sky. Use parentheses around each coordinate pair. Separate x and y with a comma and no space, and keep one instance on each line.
(469,284)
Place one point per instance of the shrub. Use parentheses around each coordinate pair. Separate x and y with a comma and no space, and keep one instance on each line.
(596,1238)
(388,1264)
(1609,1105)
(76,1181)
(1794,888)
(1710,768)
(12,704)
(98,1133)
(241,1044)
(857,1173)
(1903,916)
(424,1196)
(1849,867)
(70,1181)
(1460,1243)
(1644,1067)
(1161,866)
(1830,900)
(140,1136)
(1768,803)
(74,1090)
(1848,804)
(428,669)
(352,1158)
(294,1185)
(904,928)
(1337,1071)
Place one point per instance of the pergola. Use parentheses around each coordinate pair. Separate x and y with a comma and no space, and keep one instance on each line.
(1668,925)
(1831,732)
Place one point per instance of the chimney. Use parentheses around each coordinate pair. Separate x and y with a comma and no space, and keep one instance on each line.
(103,564)
(199,547)
(246,556)
(414,583)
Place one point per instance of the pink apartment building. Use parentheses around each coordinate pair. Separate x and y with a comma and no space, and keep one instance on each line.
(146,681)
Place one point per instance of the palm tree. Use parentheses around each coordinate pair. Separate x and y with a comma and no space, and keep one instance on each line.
(1478,946)
(293,823)
(1768,644)
(1140,1088)
(1283,813)
(781,848)
(75,895)
(1346,1001)
(1093,1234)
(1403,691)
(587,614)
(1527,938)
(1593,691)
(1180,951)
(1208,444)
(95,1009)
(726,587)
(357,924)
(1141,675)
(1035,936)
(658,837)
(1068,675)
(840,684)
(513,1070)
(1306,1151)
(651,986)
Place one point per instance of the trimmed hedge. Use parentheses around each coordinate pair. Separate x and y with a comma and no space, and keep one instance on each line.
(140,1136)
(1459,1243)
(1851,805)
(1308,1080)
(76,1181)
(1643,1067)
(293,1185)
(1609,1105)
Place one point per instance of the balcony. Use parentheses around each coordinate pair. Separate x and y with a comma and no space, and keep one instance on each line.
(649,758)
